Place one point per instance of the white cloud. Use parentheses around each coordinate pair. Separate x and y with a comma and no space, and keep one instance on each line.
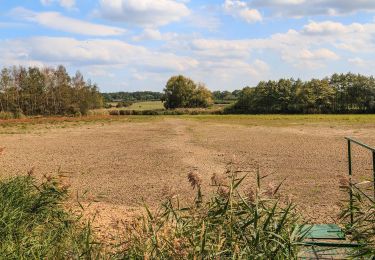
(68,4)
(92,52)
(329,27)
(149,13)
(241,9)
(299,8)
(59,22)
(358,62)
(149,34)
(314,46)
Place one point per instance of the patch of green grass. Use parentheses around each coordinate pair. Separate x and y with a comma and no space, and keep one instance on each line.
(288,120)
(146,105)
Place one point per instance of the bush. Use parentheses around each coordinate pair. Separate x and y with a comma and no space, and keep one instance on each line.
(34,224)
(230,225)
(6,115)
(114,112)
(124,104)
(18,114)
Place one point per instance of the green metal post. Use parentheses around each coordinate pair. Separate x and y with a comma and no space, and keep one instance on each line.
(350,183)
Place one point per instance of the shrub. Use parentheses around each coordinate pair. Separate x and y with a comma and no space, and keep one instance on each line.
(125,112)
(34,224)
(149,112)
(18,113)
(124,104)
(6,115)
(114,112)
(230,225)
(108,105)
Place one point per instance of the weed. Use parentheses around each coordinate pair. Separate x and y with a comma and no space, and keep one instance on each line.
(231,224)
(34,224)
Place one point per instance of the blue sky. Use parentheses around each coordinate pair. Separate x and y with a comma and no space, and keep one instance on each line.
(128,45)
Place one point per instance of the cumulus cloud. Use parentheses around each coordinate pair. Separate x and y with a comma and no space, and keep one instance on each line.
(69,4)
(147,13)
(59,22)
(329,27)
(241,10)
(315,45)
(298,8)
(60,50)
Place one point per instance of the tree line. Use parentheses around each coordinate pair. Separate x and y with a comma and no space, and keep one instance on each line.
(46,91)
(339,93)
(225,95)
(132,96)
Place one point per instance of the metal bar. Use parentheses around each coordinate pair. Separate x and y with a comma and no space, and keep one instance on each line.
(350,182)
(360,143)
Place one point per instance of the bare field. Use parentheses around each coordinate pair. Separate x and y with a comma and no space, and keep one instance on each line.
(115,164)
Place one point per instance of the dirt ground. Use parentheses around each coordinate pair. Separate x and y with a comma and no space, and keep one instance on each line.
(113,167)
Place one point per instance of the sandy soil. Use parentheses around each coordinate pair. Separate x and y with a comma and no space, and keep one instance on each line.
(116,166)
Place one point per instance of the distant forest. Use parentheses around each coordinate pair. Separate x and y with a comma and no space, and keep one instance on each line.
(340,93)
(150,95)
(52,91)
(47,91)
(132,96)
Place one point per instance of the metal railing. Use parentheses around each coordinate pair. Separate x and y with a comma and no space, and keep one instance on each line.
(372,149)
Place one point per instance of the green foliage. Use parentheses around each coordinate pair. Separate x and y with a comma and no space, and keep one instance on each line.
(124,104)
(363,209)
(132,96)
(6,115)
(225,95)
(47,91)
(182,92)
(230,225)
(341,93)
(34,224)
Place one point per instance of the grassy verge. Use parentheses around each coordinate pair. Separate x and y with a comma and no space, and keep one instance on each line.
(289,120)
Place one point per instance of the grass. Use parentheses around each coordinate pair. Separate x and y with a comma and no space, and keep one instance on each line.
(35,225)
(230,225)
(40,124)
(32,124)
(146,105)
(362,230)
(288,120)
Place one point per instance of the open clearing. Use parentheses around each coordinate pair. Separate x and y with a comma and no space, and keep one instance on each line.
(116,163)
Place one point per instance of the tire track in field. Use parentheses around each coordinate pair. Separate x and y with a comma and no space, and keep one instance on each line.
(192,154)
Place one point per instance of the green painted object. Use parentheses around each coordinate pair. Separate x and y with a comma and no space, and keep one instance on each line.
(323,231)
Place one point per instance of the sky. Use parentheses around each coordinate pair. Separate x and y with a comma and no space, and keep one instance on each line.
(130,45)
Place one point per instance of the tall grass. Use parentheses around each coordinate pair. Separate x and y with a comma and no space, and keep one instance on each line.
(252,224)
(362,230)
(35,225)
